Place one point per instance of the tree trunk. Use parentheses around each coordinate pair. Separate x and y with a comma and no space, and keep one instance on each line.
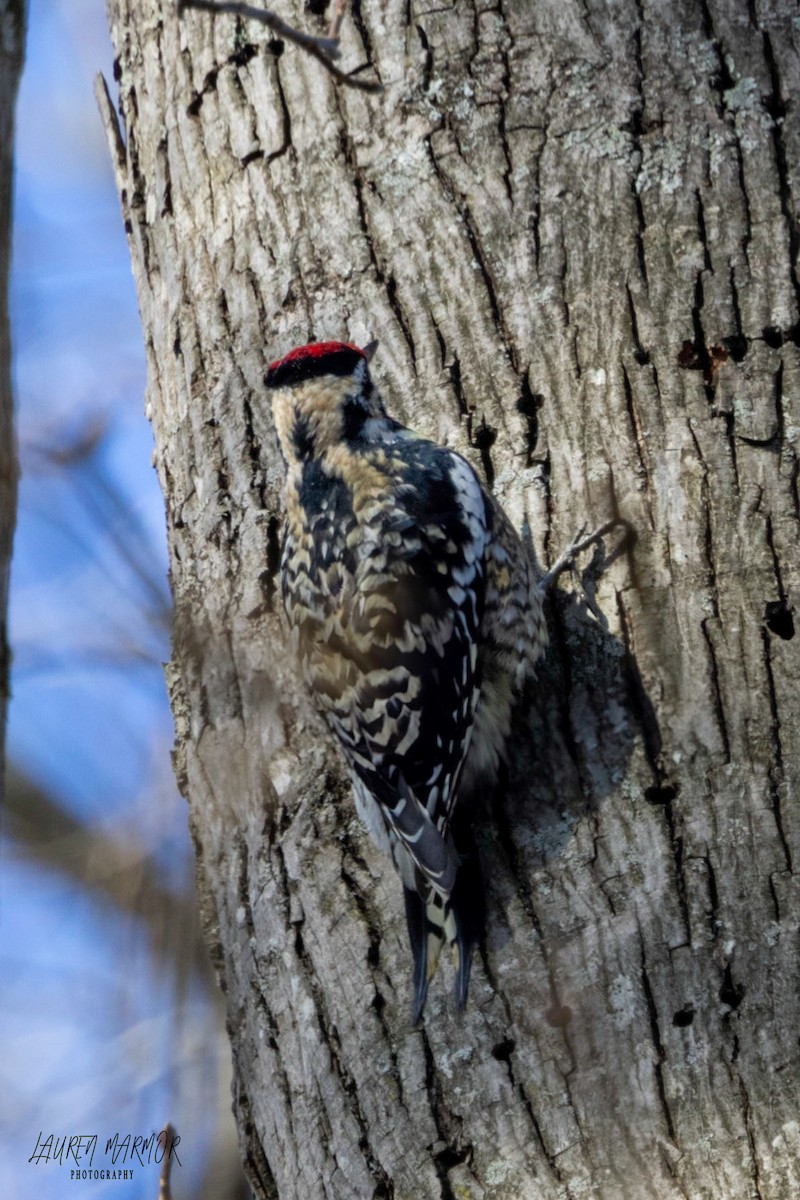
(12,39)
(573,228)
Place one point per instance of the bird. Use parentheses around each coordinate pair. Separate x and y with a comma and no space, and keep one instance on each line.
(416,618)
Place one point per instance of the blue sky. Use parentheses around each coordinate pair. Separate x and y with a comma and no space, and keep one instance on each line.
(78,359)
(94,1039)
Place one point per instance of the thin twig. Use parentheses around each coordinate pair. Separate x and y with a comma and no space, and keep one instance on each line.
(328,46)
(582,542)
(324,50)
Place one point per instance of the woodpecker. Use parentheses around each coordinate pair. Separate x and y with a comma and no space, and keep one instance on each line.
(416,618)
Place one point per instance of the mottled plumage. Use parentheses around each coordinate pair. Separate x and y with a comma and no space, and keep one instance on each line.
(414,616)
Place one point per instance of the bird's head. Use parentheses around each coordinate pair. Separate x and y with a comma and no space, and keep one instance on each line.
(321,395)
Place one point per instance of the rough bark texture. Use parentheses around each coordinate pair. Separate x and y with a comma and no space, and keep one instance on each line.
(573,227)
(12,38)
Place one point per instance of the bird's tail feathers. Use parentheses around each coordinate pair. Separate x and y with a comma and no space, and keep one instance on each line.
(434,921)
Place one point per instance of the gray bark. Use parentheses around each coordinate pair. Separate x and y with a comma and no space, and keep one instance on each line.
(12,38)
(573,228)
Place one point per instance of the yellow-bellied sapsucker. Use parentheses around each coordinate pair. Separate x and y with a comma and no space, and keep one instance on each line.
(415,616)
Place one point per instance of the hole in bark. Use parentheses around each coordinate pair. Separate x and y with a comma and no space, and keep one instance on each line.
(373,958)
(528,403)
(773,336)
(558,1015)
(730,993)
(450,1157)
(687,356)
(485,437)
(779,619)
(528,406)
(737,345)
(276,47)
(697,356)
(641,357)
(378,1003)
(503,1050)
(693,356)
(683,1017)
(317,7)
(661,794)
(242,56)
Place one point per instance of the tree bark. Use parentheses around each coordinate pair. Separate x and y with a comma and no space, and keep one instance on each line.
(573,228)
(12,39)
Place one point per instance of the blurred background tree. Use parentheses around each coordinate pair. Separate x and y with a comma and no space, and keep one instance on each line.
(109,1018)
(12,23)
